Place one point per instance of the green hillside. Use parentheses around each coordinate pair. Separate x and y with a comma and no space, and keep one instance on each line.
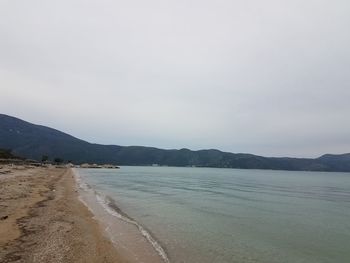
(33,141)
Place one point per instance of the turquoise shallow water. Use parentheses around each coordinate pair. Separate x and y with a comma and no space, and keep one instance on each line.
(230,215)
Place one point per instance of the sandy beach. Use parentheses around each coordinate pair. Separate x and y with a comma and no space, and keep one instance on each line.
(42,219)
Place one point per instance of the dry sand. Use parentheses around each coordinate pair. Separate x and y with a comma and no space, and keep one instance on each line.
(42,220)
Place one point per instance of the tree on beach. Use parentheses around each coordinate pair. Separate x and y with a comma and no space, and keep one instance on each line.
(44,158)
(58,160)
(6,154)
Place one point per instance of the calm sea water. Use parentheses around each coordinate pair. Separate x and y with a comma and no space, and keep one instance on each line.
(206,215)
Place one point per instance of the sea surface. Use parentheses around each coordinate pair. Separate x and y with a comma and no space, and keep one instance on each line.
(206,215)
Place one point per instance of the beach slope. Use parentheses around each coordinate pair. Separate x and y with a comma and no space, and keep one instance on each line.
(42,219)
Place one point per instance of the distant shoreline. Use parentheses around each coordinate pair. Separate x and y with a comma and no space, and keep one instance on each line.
(44,143)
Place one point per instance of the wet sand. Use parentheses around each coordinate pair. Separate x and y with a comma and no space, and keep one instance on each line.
(42,219)
(131,240)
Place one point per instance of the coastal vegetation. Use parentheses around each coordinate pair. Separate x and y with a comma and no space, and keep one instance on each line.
(36,141)
(6,154)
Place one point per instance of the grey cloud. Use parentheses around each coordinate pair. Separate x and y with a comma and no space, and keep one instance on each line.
(267,77)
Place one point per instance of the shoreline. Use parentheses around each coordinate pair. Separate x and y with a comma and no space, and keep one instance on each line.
(43,220)
(130,238)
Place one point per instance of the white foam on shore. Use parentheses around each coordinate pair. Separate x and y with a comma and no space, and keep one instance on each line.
(105,203)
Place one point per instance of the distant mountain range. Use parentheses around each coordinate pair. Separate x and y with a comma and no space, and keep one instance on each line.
(33,141)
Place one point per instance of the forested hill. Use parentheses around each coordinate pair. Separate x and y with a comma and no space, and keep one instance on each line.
(33,141)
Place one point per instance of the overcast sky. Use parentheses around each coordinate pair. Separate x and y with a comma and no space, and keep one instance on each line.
(267,77)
